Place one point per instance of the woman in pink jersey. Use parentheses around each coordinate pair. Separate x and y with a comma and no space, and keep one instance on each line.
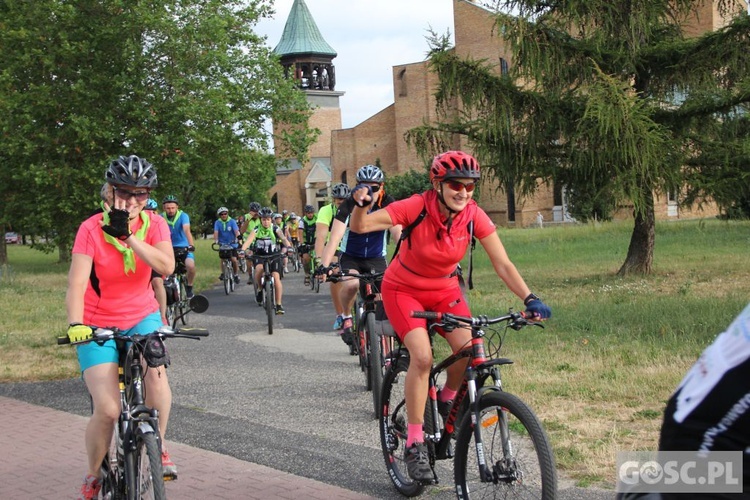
(109,284)
(422,277)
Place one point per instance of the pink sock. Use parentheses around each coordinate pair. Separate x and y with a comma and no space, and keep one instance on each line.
(446,394)
(414,434)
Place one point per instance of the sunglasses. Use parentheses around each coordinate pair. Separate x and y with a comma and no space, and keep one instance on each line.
(222,214)
(458,186)
(374,188)
(125,195)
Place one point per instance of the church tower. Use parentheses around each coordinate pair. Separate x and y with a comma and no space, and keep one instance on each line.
(308,59)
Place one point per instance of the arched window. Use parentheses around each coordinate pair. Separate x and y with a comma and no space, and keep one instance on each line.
(402,83)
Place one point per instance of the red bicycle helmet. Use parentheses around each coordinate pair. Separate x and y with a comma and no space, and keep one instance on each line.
(452,164)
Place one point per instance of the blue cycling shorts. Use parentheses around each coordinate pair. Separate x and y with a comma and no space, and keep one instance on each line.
(91,353)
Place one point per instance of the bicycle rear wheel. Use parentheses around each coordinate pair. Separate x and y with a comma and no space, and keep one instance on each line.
(270,309)
(393,429)
(149,473)
(516,452)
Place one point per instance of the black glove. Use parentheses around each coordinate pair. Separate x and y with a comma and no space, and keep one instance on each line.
(118,224)
(191,248)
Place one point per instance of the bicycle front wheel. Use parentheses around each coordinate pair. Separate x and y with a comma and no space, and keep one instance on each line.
(393,429)
(516,451)
(270,309)
(376,362)
(184,306)
(227,278)
(113,486)
(149,474)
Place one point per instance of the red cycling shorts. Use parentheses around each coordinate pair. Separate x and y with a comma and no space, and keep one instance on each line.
(400,301)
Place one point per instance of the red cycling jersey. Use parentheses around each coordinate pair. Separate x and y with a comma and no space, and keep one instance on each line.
(113,298)
(432,251)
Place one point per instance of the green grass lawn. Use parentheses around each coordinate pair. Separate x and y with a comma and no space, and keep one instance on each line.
(598,375)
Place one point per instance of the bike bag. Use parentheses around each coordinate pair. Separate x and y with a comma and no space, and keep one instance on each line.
(156,353)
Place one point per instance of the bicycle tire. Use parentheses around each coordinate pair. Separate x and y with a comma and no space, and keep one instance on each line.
(393,429)
(113,486)
(149,472)
(316,285)
(376,362)
(269,298)
(227,277)
(242,262)
(365,358)
(529,473)
(184,307)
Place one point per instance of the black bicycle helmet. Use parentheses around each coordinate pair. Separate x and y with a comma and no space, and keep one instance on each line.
(340,191)
(131,171)
(254,206)
(170,198)
(265,213)
(308,209)
(370,173)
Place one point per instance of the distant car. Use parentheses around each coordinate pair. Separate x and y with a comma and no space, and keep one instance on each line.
(12,238)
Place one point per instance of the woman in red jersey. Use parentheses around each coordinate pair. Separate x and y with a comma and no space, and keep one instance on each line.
(423,276)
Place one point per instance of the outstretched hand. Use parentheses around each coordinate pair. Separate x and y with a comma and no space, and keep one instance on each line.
(362,195)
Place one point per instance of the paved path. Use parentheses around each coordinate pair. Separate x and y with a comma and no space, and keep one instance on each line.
(42,457)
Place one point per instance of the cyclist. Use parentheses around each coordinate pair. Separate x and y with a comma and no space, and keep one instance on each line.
(113,255)
(226,232)
(360,253)
(292,229)
(339,192)
(307,237)
(182,237)
(251,222)
(278,221)
(423,277)
(267,239)
(710,410)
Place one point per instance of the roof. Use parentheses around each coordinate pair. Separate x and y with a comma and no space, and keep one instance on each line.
(301,34)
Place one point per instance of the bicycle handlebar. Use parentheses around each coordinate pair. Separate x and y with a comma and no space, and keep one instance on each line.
(366,277)
(515,320)
(223,246)
(112,333)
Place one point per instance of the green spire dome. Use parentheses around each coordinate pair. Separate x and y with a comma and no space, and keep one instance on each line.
(301,34)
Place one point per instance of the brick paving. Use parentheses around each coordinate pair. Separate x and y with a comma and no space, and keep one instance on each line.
(42,456)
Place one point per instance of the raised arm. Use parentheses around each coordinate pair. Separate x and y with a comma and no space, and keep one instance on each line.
(362,222)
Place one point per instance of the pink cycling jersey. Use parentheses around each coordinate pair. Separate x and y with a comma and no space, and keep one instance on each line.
(122,299)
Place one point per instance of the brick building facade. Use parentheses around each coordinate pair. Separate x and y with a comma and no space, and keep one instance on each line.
(381,137)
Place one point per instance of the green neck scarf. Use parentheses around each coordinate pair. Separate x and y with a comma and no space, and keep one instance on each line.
(175,219)
(128,257)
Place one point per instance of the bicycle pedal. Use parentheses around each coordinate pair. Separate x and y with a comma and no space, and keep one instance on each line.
(170,477)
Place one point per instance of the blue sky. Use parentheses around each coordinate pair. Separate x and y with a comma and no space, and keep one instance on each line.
(369,38)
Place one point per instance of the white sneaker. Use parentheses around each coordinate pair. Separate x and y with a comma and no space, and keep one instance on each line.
(286,269)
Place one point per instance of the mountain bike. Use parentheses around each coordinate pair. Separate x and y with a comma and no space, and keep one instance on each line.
(501,447)
(132,467)
(268,288)
(374,339)
(178,304)
(226,252)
